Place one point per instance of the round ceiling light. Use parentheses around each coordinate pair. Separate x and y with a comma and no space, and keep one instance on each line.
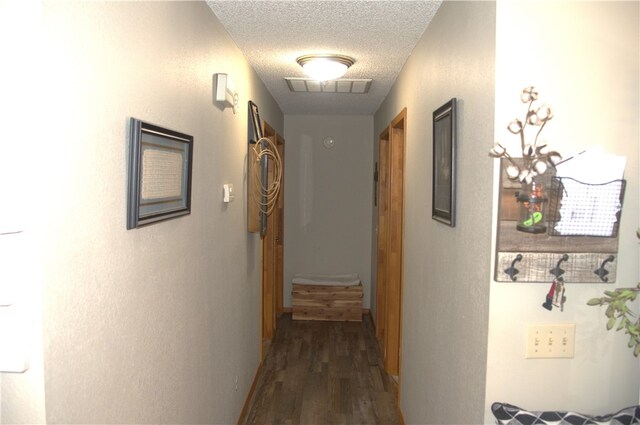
(325,67)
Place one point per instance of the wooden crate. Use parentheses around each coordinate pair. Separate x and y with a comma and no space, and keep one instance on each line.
(327,302)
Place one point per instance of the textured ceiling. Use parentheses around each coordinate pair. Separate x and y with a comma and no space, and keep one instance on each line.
(379,35)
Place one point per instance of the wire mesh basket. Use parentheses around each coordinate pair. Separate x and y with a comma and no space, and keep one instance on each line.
(583,209)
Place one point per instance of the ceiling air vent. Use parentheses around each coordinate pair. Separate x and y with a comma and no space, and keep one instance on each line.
(342,85)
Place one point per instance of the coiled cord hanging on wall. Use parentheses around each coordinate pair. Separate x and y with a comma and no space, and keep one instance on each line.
(265,147)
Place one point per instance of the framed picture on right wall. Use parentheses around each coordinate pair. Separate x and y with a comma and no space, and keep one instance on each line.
(444,164)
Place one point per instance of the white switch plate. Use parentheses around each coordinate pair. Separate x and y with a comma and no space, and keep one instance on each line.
(228,193)
(550,341)
(14,356)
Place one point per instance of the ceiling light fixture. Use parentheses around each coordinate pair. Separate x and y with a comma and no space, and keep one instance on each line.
(323,67)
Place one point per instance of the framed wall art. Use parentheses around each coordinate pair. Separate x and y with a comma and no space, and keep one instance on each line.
(444,163)
(159,174)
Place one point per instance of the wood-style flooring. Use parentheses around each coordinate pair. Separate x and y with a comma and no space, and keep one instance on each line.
(325,373)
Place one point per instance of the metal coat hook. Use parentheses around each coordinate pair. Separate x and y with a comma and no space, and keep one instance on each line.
(512,271)
(602,272)
(557,271)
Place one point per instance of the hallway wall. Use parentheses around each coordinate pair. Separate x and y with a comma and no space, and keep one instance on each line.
(328,197)
(446,293)
(594,91)
(152,325)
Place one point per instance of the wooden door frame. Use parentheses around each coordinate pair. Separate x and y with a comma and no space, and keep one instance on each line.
(390,242)
(279,240)
(271,306)
(382,238)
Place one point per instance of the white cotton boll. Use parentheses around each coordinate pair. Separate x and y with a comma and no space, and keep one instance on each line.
(555,159)
(534,120)
(526,176)
(515,126)
(528,94)
(523,175)
(540,167)
(498,149)
(512,172)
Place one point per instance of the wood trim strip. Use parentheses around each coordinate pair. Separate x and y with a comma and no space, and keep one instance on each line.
(247,402)
(400,416)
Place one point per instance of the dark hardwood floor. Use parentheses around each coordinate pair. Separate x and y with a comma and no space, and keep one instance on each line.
(325,373)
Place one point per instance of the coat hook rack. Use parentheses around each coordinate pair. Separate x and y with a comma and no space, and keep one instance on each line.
(512,271)
(558,271)
(602,272)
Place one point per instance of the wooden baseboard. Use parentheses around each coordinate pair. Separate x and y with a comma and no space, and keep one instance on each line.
(400,417)
(247,402)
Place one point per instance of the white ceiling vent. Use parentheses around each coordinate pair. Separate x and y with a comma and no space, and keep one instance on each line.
(343,85)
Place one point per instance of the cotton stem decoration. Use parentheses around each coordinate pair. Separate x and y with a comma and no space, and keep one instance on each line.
(536,157)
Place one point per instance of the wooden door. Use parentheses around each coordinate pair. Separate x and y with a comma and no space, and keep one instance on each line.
(272,254)
(279,231)
(390,242)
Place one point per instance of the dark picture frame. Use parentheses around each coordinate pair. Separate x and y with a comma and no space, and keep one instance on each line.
(264,162)
(444,163)
(255,123)
(160,162)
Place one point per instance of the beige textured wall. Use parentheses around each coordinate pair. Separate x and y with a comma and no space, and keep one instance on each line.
(152,324)
(328,197)
(584,58)
(446,293)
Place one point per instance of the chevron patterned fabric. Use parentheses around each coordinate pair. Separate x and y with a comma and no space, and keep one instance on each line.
(507,414)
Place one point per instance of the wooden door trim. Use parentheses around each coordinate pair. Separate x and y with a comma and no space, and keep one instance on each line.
(279,241)
(397,143)
(382,238)
(272,257)
(392,155)
(268,316)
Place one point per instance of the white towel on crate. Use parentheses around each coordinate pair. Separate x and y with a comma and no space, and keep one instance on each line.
(348,279)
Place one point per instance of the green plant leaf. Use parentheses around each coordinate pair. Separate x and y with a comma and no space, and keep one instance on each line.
(619,311)
(623,323)
(610,311)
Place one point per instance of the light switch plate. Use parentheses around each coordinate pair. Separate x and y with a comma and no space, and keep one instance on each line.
(550,341)
(14,355)
(228,194)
